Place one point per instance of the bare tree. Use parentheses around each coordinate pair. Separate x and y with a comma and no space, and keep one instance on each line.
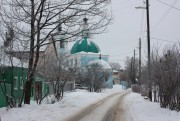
(35,20)
(131,69)
(8,63)
(115,66)
(165,77)
(57,71)
(97,75)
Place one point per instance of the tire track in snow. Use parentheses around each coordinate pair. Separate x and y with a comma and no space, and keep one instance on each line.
(98,111)
(120,112)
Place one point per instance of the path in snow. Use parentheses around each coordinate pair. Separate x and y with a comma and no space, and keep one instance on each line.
(103,110)
(121,111)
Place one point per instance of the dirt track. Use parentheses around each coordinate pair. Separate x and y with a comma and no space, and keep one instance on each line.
(120,111)
(110,108)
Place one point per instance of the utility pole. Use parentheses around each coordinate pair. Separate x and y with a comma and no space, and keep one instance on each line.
(139,61)
(134,55)
(148,44)
(148,83)
(134,76)
(148,31)
(132,71)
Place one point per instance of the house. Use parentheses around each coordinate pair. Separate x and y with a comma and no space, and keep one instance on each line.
(116,77)
(51,52)
(13,74)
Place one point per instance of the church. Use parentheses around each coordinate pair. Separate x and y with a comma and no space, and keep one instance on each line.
(85,52)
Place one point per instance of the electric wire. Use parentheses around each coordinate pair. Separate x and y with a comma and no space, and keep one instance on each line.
(163,17)
(121,54)
(168,5)
(163,40)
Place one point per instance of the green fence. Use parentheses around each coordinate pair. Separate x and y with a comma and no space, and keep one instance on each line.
(45,89)
(17,93)
(3,101)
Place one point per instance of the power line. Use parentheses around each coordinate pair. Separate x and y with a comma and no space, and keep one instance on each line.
(163,17)
(168,5)
(163,40)
(121,54)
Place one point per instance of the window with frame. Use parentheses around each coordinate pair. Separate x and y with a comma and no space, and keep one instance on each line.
(37,79)
(21,83)
(106,77)
(15,81)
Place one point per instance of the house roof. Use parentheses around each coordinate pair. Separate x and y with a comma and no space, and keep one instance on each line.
(8,60)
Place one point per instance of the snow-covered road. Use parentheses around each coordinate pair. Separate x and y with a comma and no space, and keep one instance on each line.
(121,111)
(80,105)
(106,109)
(69,106)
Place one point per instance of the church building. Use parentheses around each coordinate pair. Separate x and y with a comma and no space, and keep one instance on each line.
(85,52)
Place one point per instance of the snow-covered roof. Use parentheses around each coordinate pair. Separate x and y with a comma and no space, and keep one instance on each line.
(101,62)
(7,60)
(90,53)
(115,71)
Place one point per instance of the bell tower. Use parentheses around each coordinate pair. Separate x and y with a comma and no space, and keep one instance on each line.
(59,36)
(85,31)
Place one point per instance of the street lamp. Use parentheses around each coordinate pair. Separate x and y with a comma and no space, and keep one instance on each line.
(148,44)
(140,7)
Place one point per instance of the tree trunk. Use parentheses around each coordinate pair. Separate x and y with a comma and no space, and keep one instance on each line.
(28,92)
(150,95)
(31,59)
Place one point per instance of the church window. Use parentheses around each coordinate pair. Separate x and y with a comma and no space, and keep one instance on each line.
(76,61)
(106,77)
(61,44)
(71,62)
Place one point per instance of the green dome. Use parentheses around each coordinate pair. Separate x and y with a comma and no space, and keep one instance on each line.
(85,45)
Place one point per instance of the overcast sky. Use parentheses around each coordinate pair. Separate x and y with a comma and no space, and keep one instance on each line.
(129,24)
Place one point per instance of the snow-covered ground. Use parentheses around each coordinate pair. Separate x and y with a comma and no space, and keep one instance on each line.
(71,103)
(144,110)
(138,109)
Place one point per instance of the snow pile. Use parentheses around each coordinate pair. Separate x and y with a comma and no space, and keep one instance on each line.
(72,103)
(144,110)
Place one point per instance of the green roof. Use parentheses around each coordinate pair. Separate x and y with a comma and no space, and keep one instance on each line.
(85,45)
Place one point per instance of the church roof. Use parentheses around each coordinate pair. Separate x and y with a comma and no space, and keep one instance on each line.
(104,64)
(85,45)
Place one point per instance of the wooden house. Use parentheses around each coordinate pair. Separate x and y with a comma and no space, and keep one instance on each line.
(13,75)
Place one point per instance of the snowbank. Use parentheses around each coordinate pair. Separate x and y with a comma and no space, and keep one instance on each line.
(144,110)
